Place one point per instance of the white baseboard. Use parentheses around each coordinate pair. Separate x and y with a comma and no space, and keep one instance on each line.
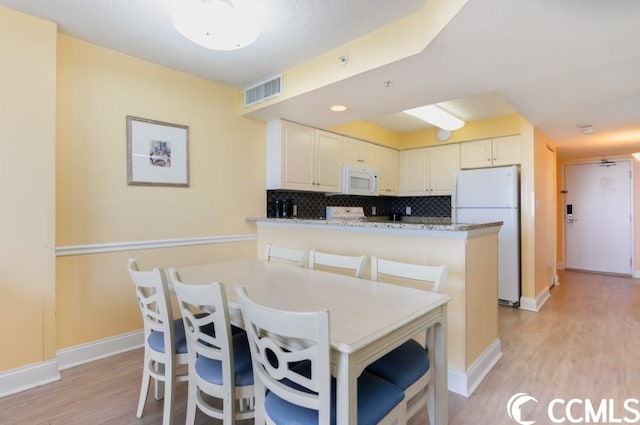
(465,383)
(536,304)
(32,376)
(27,377)
(95,350)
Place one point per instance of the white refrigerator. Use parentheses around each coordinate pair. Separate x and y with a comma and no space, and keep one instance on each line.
(491,194)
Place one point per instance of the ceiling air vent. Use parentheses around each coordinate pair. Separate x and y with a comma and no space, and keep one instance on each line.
(263,91)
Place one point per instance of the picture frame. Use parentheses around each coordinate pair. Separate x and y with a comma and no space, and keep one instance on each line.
(157,153)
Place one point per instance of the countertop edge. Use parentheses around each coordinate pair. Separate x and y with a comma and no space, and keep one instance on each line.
(450,227)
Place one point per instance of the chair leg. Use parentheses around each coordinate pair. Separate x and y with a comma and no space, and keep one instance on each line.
(144,387)
(192,395)
(159,385)
(169,396)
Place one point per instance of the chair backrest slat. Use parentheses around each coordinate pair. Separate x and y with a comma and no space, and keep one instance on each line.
(295,255)
(419,272)
(348,262)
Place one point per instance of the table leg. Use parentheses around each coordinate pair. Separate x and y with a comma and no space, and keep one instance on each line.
(346,392)
(440,392)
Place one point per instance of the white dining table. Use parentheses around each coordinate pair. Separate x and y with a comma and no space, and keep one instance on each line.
(367,318)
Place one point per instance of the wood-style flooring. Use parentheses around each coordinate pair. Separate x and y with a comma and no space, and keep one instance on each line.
(584,343)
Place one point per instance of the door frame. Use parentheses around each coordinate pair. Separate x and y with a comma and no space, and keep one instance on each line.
(563,202)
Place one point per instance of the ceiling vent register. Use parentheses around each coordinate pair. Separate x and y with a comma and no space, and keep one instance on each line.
(263,91)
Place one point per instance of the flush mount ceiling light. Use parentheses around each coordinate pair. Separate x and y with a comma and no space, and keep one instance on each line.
(338,108)
(215,24)
(437,117)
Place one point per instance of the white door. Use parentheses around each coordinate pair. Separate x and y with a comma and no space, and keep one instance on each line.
(597,216)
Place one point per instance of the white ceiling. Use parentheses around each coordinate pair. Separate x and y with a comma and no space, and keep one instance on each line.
(557,63)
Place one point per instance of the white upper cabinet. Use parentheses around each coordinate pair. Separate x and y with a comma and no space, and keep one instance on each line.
(491,152)
(303,158)
(358,152)
(429,171)
(387,171)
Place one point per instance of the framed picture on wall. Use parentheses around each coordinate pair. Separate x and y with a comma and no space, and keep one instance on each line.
(157,153)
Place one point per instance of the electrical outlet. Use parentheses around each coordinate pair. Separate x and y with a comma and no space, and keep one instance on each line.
(407,210)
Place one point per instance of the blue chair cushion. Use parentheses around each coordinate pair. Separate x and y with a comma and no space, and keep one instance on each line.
(156,338)
(211,370)
(376,398)
(402,366)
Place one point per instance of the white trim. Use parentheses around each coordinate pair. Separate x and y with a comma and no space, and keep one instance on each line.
(465,383)
(25,378)
(140,245)
(99,349)
(536,304)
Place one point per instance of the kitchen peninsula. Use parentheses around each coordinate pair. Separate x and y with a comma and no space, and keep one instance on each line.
(469,250)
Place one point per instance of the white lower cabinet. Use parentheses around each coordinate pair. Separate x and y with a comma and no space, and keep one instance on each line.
(429,171)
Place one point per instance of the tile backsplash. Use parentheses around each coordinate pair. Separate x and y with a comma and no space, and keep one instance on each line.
(312,204)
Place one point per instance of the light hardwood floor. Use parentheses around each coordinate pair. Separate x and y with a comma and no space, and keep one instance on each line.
(585,343)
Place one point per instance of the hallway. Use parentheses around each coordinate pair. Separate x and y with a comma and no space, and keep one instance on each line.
(584,343)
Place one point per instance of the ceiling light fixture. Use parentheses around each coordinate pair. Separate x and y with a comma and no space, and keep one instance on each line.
(636,155)
(216,24)
(437,117)
(338,108)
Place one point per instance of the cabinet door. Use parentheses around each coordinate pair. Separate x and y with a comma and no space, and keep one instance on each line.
(387,171)
(298,156)
(444,162)
(350,150)
(368,154)
(476,154)
(414,179)
(506,150)
(328,161)
(358,152)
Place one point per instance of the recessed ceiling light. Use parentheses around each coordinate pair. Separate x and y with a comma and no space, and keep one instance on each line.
(338,108)
(437,117)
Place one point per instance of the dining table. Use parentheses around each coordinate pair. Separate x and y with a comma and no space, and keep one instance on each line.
(367,318)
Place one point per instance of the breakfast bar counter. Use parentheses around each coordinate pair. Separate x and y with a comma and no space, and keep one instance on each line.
(469,250)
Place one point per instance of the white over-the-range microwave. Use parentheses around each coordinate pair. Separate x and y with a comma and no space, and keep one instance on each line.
(359,180)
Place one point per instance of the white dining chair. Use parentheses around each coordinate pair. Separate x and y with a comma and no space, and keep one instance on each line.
(298,256)
(291,365)
(408,366)
(344,262)
(219,360)
(165,345)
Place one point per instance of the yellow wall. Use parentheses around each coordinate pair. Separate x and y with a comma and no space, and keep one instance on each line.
(481,129)
(97,89)
(545,211)
(370,132)
(27,221)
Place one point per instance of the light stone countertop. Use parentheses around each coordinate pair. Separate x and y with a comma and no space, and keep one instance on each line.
(380,222)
